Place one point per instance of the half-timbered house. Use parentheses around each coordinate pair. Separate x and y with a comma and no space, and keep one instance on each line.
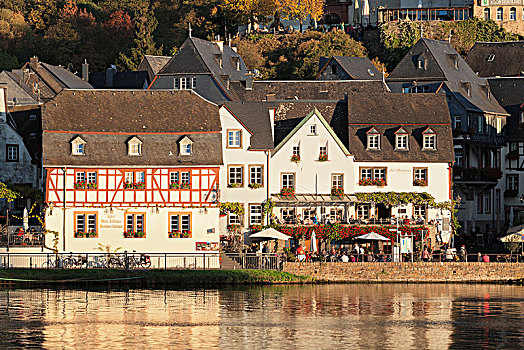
(132,169)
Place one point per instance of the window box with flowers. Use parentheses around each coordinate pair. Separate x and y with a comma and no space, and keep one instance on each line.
(128,185)
(287,191)
(82,234)
(174,234)
(139,185)
(80,185)
(134,234)
(336,191)
(420,182)
(235,185)
(254,186)
(174,185)
(295,158)
(185,186)
(323,157)
(234,228)
(92,185)
(372,182)
(185,234)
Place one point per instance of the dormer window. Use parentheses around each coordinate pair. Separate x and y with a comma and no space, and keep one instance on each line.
(134,147)
(186,146)
(78,146)
(491,58)
(429,139)
(373,139)
(401,139)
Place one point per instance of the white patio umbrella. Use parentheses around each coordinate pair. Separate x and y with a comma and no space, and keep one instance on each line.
(365,12)
(356,13)
(26,220)
(270,233)
(313,243)
(372,236)
(516,229)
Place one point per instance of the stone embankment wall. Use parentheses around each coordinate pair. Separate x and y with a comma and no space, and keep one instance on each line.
(417,272)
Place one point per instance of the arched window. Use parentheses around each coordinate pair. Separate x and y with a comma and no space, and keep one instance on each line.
(500,14)
(512,14)
(487,14)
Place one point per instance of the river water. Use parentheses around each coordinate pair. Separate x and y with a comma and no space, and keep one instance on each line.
(354,316)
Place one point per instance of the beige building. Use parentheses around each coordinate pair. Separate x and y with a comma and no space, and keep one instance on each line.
(508,13)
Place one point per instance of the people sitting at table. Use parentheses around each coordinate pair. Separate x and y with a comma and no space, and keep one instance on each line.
(299,219)
(301,256)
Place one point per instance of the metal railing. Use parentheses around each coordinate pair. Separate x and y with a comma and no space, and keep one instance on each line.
(256,261)
(433,257)
(125,260)
(22,239)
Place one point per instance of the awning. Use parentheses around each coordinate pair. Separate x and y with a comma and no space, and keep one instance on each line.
(307,200)
(516,229)
(512,238)
(270,233)
(373,236)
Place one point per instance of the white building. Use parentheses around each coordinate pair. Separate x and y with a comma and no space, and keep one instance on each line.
(132,169)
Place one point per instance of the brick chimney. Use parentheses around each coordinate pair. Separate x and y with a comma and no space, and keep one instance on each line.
(85,71)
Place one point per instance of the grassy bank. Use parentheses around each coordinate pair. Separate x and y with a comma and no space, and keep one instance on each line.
(147,278)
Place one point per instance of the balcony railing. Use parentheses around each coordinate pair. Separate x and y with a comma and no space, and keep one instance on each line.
(477,174)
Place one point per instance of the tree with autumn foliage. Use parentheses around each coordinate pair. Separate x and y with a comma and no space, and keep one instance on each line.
(302,9)
(250,11)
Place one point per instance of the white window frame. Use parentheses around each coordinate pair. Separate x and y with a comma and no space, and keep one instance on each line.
(174,177)
(323,150)
(234,138)
(78,149)
(256,174)
(185,149)
(80,176)
(337,181)
(233,219)
(185,177)
(374,141)
(184,83)
(91,177)
(430,142)
(135,149)
(420,174)
(193,83)
(500,14)
(296,149)
(235,175)
(513,14)
(313,129)
(255,214)
(401,141)
(288,180)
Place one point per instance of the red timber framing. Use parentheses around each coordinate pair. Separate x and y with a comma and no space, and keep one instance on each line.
(110,188)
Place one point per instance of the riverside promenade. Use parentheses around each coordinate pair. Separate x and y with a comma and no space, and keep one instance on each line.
(407,272)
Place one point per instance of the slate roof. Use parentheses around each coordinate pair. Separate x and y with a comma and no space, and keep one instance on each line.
(509,92)
(255,117)
(305,89)
(440,58)
(387,112)
(106,119)
(121,80)
(197,56)
(356,67)
(17,90)
(66,78)
(508,59)
(156,63)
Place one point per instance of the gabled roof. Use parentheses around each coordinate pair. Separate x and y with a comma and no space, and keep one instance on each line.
(17,90)
(323,121)
(254,116)
(372,131)
(445,64)
(507,59)
(358,68)
(401,131)
(156,63)
(509,92)
(107,119)
(385,112)
(78,139)
(428,131)
(294,90)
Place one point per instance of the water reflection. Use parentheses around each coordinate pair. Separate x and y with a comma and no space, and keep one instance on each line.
(324,316)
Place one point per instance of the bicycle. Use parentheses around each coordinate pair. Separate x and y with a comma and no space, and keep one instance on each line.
(70,262)
(144,261)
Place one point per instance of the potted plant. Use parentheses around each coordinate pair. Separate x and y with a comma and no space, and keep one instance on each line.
(185,185)
(254,185)
(295,158)
(420,182)
(174,185)
(185,234)
(336,191)
(140,234)
(174,234)
(128,185)
(287,191)
(80,185)
(323,157)
(92,185)
(139,185)
(91,234)
(79,234)
(129,234)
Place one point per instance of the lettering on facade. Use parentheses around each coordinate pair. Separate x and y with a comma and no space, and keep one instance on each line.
(400,170)
(111,222)
(502,2)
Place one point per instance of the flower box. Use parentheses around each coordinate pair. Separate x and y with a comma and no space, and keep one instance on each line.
(420,182)
(372,182)
(323,157)
(234,185)
(139,185)
(234,228)
(80,185)
(287,191)
(185,234)
(335,191)
(81,234)
(295,158)
(92,185)
(254,185)
(174,234)
(174,185)
(185,186)
(128,185)
(133,234)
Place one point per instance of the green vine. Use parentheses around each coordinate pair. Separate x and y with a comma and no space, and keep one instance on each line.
(267,207)
(231,207)
(7,193)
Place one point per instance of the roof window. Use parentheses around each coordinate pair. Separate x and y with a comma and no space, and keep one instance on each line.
(491,57)
(134,147)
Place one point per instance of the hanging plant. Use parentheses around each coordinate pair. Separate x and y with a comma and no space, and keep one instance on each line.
(231,207)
